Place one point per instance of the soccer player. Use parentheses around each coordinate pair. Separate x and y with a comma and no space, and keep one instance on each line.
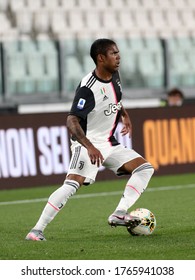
(96,110)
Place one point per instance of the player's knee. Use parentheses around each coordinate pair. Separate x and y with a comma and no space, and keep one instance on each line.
(77,178)
(145,170)
(150,170)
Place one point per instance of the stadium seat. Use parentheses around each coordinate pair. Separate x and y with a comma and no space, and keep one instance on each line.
(73,73)
(142,20)
(7,31)
(165,4)
(126,21)
(179,68)
(27,45)
(110,21)
(137,44)
(153,44)
(184,44)
(157,19)
(58,22)
(4,20)
(142,64)
(46,84)
(182,61)
(10,47)
(25,85)
(10,35)
(34,5)
(17,5)
(35,64)
(50,5)
(132,80)
(188,19)
(151,69)
(31,67)
(83,45)
(24,21)
(69,46)
(93,17)
(103,33)
(118,5)
(85,5)
(191,58)
(128,63)
(134,4)
(191,3)
(180,4)
(159,23)
(123,44)
(88,64)
(46,45)
(68,5)
(149,4)
(41,22)
(43,69)
(4,5)
(76,21)
(174,20)
(51,65)
(4,23)
(101,4)
(17,79)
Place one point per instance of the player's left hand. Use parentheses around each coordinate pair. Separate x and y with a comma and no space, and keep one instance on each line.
(127,125)
(127,128)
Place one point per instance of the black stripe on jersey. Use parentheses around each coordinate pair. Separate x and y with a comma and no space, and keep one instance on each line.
(75,157)
(112,139)
(91,82)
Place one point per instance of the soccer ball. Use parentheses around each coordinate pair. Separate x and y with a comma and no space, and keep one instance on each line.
(147,225)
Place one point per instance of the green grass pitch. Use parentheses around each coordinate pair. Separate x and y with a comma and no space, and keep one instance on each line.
(80,231)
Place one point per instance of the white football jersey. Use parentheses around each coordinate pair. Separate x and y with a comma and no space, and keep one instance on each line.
(98,105)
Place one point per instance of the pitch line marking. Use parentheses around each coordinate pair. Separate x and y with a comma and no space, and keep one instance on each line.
(89,195)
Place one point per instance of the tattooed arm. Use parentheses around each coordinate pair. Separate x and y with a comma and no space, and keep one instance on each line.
(78,133)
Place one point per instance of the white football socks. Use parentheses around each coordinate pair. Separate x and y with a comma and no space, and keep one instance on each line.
(56,202)
(135,186)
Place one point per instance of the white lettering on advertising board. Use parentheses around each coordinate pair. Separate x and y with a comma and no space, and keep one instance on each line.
(18,153)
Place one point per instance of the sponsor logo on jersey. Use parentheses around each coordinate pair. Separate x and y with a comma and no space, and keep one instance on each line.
(105,97)
(81,103)
(113,108)
(103,92)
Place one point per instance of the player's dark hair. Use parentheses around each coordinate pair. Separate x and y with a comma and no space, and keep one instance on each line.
(100,46)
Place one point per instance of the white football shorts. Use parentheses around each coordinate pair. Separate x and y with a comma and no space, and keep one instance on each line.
(114,158)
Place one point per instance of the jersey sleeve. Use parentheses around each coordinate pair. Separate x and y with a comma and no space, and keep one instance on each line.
(83,103)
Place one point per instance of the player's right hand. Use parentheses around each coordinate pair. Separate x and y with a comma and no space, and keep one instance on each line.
(95,155)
